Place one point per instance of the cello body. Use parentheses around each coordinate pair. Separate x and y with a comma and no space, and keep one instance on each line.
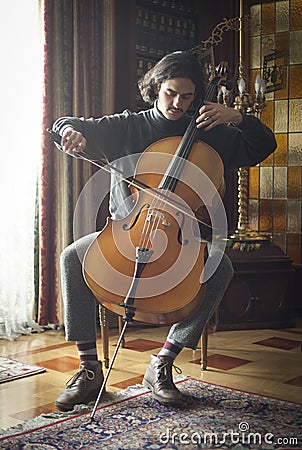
(160,234)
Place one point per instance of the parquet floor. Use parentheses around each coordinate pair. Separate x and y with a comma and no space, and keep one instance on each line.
(267,362)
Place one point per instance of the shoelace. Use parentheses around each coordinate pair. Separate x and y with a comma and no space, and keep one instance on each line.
(88,375)
(177,369)
(163,369)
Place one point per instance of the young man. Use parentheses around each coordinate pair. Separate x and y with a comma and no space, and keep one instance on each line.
(171,87)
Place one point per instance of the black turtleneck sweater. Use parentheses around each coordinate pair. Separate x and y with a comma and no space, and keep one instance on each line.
(128,133)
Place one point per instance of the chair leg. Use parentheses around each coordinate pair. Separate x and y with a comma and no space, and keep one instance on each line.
(204,348)
(105,334)
(105,337)
(120,328)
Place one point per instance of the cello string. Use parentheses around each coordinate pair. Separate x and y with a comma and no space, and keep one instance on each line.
(178,161)
(175,167)
(192,133)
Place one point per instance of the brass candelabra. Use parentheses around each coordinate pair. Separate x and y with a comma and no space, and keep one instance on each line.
(253,104)
(244,238)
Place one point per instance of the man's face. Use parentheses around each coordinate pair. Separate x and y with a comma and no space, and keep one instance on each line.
(175,97)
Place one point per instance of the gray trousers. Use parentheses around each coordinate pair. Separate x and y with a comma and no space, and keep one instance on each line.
(81,306)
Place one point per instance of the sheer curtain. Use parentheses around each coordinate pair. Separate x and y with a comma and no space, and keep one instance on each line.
(20,119)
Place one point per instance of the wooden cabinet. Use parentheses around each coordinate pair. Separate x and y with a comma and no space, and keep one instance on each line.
(260,294)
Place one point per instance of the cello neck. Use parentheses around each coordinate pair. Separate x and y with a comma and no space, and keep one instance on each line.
(173,172)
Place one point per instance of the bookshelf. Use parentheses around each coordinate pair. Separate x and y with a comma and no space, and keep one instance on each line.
(162,27)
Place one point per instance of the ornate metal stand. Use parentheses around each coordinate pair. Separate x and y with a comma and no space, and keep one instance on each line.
(244,238)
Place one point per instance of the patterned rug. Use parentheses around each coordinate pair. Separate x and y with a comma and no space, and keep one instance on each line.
(212,417)
(11,370)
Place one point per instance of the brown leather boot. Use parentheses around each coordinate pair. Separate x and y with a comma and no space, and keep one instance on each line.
(83,387)
(158,378)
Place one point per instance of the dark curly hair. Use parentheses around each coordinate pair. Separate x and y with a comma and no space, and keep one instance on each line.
(180,64)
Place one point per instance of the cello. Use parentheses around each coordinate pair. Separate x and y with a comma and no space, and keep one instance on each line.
(151,262)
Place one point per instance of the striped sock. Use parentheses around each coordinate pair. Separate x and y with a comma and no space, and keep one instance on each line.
(87,351)
(171,349)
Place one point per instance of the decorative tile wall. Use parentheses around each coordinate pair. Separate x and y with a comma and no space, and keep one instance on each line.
(275,185)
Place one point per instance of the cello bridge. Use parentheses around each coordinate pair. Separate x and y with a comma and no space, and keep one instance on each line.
(156,214)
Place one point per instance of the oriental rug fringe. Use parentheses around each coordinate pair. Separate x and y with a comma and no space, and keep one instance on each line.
(12,370)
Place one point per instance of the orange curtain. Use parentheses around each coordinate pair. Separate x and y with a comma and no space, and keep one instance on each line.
(78,75)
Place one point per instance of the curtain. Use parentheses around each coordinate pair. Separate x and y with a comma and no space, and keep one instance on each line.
(20,118)
(78,75)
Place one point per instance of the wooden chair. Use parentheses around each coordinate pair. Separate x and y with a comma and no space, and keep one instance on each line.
(105,338)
